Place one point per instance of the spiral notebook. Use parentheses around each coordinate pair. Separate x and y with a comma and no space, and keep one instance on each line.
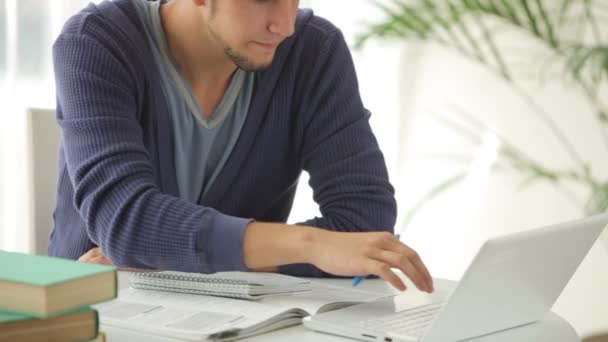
(243,285)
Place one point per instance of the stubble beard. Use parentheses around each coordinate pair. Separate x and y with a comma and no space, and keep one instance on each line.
(241,61)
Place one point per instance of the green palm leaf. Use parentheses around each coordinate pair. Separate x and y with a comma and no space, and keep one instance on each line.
(593,59)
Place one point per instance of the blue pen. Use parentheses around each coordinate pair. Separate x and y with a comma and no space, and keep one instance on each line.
(358,280)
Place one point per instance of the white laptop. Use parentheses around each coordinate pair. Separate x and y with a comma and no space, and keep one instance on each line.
(513,280)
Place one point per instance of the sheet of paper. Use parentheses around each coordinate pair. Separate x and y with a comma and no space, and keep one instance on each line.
(320,296)
(182,315)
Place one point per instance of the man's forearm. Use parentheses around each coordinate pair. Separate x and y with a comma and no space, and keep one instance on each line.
(273,244)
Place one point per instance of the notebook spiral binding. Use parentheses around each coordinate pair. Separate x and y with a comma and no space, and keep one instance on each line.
(151,276)
(183,282)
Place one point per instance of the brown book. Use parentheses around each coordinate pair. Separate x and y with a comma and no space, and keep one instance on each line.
(101,337)
(43,286)
(80,325)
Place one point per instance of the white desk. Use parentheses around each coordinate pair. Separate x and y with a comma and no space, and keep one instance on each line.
(551,329)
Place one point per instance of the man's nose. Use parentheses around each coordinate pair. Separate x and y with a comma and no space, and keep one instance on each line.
(283,18)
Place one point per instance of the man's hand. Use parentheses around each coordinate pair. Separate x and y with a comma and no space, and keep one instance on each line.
(360,254)
(339,253)
(96,256)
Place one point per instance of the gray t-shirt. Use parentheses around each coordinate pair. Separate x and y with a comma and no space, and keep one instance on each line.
(202,144)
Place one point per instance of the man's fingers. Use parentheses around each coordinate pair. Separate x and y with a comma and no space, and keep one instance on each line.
(95,256)
(399,261)
(415,259)
(417,262)
(88,255)
(99,260)
(418,267)
(383,270)
(411,272)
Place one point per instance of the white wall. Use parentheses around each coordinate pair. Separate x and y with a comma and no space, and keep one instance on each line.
(30,27)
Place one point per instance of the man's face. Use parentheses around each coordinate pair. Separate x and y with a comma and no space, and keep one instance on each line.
(250,30)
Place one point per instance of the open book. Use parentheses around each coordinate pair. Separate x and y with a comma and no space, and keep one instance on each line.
(246,285)
(200,317)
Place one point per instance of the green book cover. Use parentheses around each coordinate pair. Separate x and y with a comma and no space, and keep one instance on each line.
(11,316)
(45,271)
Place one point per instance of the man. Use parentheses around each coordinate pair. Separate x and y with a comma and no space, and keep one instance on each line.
(185,127)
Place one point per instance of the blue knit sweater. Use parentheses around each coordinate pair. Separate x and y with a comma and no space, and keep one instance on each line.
(117,182)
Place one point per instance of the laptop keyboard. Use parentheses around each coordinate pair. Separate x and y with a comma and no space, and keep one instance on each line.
(411,322)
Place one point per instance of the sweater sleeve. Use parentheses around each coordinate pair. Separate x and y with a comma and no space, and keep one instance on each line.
(347,169)
(115,192)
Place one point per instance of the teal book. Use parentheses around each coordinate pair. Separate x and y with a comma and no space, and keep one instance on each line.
(78,325)
(43,286)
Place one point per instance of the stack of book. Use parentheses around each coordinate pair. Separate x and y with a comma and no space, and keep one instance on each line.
(47,299)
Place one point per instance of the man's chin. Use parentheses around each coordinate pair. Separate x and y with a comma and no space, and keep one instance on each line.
(253,67)
(247,63)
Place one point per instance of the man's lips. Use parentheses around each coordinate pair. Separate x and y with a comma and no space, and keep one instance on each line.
(269,46)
